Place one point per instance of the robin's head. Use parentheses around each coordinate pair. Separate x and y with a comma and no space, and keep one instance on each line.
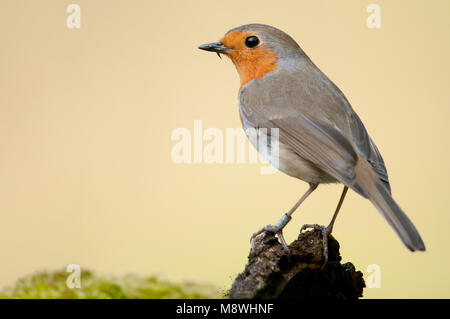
(255,49)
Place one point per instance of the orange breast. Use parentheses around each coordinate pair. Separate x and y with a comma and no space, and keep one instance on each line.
(250,63)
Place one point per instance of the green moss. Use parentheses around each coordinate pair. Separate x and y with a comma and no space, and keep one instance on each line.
(94,286)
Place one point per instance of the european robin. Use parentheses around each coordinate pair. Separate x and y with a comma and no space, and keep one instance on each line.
(321,138)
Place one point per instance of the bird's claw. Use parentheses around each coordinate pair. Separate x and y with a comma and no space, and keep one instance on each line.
(326,231)
(276,229)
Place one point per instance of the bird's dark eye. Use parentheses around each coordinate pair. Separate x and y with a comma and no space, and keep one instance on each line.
(251,41)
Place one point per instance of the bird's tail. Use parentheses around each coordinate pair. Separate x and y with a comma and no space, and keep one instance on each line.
(380,197)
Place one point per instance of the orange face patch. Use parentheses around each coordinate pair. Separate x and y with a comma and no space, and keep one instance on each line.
(251,63)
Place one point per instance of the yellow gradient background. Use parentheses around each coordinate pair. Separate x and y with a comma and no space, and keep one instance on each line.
(86,117)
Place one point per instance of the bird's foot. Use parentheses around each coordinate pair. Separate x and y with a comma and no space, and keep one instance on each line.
(276,229)
(326,231)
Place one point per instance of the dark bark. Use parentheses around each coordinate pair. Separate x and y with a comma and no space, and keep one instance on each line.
(272,272)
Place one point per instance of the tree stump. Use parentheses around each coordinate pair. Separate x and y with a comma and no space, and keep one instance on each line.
(272,272)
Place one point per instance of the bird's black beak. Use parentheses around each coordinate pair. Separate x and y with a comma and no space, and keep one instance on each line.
(217,47)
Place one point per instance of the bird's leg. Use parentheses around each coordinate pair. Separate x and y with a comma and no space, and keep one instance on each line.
(278,227)
(326,231)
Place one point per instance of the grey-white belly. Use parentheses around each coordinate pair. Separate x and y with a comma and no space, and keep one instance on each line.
(284,158)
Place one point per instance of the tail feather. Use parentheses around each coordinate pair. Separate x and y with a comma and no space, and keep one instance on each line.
(380,197)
